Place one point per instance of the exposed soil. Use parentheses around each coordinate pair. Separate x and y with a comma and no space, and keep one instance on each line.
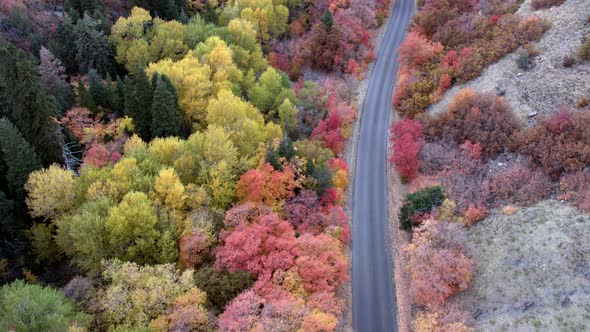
(547,85)
(532,270)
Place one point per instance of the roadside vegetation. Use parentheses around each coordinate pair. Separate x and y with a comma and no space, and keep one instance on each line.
(478,152)
(170,166)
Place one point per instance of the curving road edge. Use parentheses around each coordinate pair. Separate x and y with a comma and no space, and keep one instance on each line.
(373,299)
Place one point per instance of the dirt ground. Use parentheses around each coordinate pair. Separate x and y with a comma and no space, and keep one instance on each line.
(548,84)
(532,270)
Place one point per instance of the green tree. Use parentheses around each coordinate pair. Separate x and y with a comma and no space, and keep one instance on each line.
(28,105)
(270,91)
(26,307)
(138,98)
(85,98)
(420,202)
(136,234)
(63,45)
(288,118)
(8,224)
(19,157)
(83,237)
(166,119)
(221,286)
(97,89)
(77,8)
(92,46)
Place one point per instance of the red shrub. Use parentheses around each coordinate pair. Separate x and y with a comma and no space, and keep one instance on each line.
(479,118)
(559,144)
(543,4)
(519,183)
(416,50)
(474,214)
(406,139)
(575,187)
(437,263)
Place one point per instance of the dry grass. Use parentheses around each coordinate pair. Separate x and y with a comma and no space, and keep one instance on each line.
(532,270)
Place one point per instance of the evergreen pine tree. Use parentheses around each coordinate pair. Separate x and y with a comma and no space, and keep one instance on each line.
(28,106)
(328,19)
(286,149)
(171,12)
(63,45)
(7,221)
(92,46)
(118,99)
(19,157)
(138,96)
(86,99)
(97,89)
(183,17)
(165,112)
(273,159)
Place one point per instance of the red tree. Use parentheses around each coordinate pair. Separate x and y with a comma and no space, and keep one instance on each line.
(258,248)
(267,185)
(322,265)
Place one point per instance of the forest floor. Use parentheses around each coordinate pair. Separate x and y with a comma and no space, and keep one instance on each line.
(547,84)
(532,270)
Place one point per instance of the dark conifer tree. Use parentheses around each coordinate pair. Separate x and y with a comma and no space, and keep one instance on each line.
(165,112)
(97,89)
(28,106)
(138,102)
(86,99)
(19,157)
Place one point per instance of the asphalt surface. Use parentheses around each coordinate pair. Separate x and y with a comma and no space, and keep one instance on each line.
(373,300)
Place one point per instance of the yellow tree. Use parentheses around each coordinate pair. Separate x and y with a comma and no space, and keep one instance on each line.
(51,191)
(242,121)
(136,45)
(168,190)
(128,36)
(193,84)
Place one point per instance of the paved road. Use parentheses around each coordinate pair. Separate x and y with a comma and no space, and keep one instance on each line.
(373,301)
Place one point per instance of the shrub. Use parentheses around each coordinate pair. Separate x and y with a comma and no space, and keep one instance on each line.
(420,202)
(524,60)
(479,118)
(560,143)
(575,187)
(406,139)
(519,183)
(544,4)
(437,263)
(583,102)
(584,52)
(436,157)
(25,307)
(463,181)
(444,319)
(569,60)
